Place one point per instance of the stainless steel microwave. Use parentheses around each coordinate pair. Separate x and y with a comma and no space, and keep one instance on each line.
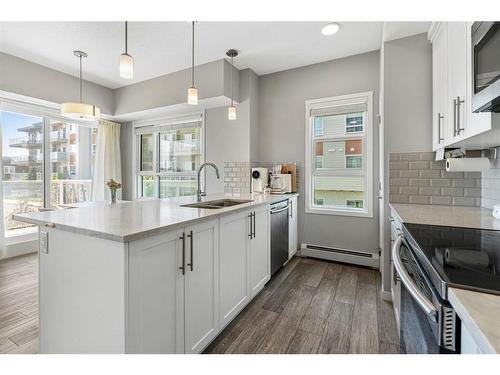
(486,66)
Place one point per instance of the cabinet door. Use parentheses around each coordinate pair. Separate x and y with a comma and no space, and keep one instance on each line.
(292,228)
(260,251)
(201,285)
(440,119)
(234,277)
(156,295)
(457,79)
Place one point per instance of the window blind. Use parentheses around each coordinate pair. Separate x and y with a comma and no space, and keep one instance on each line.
(339,110)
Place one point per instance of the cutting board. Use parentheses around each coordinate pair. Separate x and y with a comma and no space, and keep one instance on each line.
(290,168)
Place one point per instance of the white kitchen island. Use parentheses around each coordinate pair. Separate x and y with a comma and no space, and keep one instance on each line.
(148,276)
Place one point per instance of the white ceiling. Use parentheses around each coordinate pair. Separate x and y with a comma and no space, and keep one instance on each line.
(160,48)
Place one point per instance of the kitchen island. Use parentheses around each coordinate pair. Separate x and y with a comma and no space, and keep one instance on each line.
(149,276)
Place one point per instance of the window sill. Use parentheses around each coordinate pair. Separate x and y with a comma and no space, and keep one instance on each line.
(339,212)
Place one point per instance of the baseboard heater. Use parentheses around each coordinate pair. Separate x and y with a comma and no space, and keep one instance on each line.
(362,258)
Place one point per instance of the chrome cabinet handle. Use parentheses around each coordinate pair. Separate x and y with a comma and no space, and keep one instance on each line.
(440,117)
(183,267)
(250,215)
(410,285)
(459,103)
(254,220)
(454,117)
(191,240)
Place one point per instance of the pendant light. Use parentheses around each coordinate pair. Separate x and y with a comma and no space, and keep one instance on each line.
(231,110)
(192,91)
(126,61)
(80,111)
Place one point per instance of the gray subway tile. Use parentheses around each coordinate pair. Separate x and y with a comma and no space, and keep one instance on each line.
(446,201)
(465,183)
(398,165)
(394,190)
(430,156)
(441,182)
(430,173)
(398,181)
(472,192)
(464,201)
(393,173)
(472,175)
(445,174)
(393,157)
(410,174)
(419,182)
(437,164)
(419,164)
(419,199)
(411,156)
(452,192)
(430,191)
(408,190)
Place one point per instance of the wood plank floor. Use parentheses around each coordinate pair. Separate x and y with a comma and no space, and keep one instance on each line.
(19,304)
(314,306)
(310,306)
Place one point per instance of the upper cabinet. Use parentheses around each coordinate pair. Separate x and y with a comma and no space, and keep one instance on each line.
(454,123)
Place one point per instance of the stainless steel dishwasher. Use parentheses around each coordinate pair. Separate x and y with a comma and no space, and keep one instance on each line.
(279,235)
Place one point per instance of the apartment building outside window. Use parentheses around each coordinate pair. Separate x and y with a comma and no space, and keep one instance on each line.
(339,156)
(168,155)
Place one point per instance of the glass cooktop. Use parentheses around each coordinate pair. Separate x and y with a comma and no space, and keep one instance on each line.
(452,256)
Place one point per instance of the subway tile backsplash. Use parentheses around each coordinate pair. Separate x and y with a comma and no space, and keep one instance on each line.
(490,186)
(416,178)
(236,177)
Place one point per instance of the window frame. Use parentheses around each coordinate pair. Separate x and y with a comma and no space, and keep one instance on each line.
(366,135)
(143,127)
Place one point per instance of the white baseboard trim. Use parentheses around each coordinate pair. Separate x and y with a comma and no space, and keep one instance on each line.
(20,248)
(340,255)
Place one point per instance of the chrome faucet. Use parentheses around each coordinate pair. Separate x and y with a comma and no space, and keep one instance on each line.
(200,193)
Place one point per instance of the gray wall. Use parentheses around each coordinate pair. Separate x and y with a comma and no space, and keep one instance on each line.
(22,77)
(407,112)
(281,137)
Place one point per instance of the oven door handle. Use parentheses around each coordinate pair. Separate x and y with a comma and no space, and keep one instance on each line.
(410,285)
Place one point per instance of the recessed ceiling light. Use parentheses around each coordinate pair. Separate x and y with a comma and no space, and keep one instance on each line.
(330,29)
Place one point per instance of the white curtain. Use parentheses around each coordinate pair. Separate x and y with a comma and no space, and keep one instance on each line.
(107,162)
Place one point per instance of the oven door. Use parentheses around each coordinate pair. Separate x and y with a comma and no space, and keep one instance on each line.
(486,66)
(427,325)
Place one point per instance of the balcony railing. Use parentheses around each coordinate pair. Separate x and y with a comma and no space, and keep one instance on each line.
(55,156)
(59,136)
(25,140)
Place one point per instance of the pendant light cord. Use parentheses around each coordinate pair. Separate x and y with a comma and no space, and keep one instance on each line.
(126,37)
(192,57)
(232,81)
(81,83)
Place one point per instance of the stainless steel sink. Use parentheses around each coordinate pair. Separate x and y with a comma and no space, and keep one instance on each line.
(219,203)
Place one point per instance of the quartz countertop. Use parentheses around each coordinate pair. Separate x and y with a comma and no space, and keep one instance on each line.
(130,220)
(453,216)
(480,312)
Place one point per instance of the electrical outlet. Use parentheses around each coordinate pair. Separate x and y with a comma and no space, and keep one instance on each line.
(44,242)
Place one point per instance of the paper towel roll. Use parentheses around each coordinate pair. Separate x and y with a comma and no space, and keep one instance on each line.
(467,164)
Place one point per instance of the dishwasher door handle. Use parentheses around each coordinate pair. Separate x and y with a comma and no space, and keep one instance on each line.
(410,285)
(281,210)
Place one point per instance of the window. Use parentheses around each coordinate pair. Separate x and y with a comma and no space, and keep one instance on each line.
(339,156)
(170,153)
(46,160)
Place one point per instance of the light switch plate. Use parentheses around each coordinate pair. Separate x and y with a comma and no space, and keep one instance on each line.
(44,242)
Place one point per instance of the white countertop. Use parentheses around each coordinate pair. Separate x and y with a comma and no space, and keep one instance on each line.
(453,216)
(130,220)
(480,312)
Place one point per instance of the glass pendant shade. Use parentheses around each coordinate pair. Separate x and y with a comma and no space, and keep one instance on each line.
(126,66)
(193,96)
(80,111)
(231,112)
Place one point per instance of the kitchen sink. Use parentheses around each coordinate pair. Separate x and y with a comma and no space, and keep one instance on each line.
(219,203)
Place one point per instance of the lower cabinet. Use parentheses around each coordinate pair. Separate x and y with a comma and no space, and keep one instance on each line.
(185,285)
(174,290)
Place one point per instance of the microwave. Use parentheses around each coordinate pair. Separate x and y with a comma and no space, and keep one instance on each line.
(485,66)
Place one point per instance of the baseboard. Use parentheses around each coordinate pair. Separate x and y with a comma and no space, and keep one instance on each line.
(340,255)
(21,248)
(386,296)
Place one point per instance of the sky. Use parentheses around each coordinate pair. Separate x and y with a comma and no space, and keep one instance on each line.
(10,123)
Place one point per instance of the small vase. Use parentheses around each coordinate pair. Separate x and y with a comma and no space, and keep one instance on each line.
(113,196)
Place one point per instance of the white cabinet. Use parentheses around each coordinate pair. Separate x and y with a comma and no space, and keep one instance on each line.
(260,250)
(201,298)
(171,309)
(235,232)
(293,227)
(454,123)
(156,295)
